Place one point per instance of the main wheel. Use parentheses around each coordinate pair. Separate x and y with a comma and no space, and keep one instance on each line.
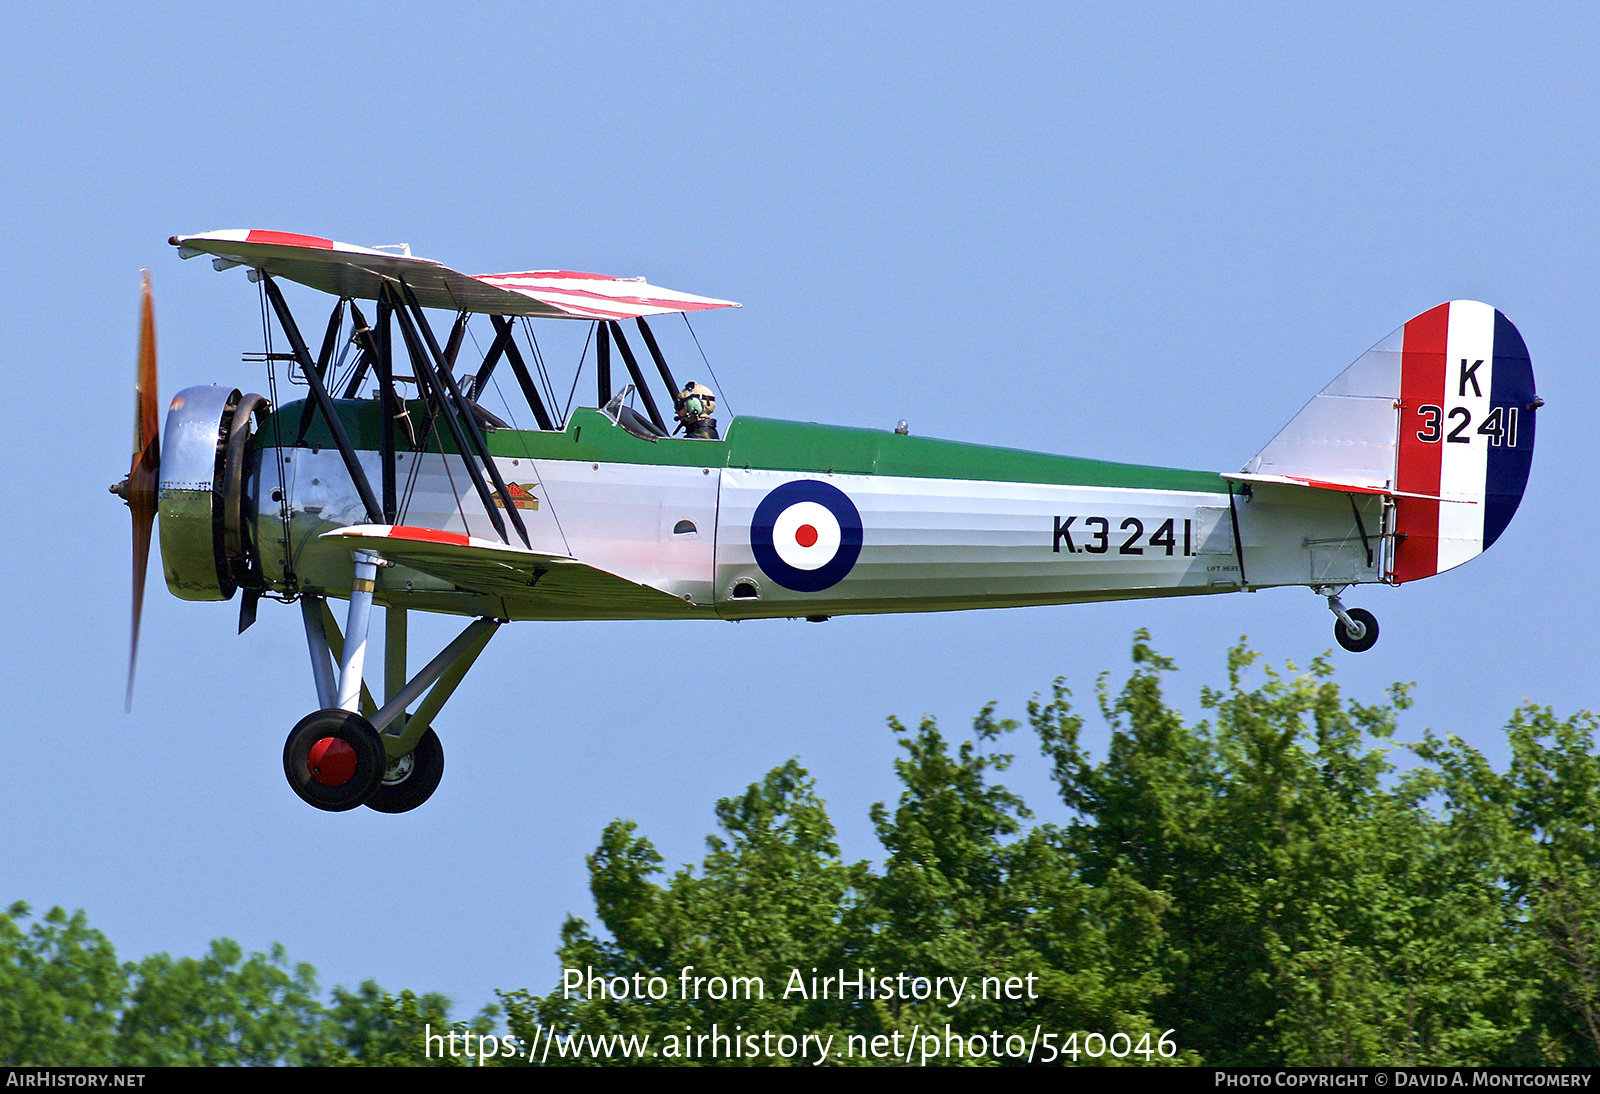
(1369,635)
(412,779)
(334,759)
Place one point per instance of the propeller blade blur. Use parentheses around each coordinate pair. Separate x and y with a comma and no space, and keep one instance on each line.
(145,473)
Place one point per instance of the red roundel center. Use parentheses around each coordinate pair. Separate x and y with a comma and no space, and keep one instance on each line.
(805,536)
(332,761)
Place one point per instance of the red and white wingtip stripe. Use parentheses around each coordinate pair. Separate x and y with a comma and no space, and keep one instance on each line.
(408,533)
(206,243)
(597,296)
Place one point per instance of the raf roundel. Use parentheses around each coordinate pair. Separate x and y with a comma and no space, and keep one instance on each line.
(806,535)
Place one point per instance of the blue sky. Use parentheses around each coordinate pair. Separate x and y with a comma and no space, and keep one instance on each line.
(1139,233)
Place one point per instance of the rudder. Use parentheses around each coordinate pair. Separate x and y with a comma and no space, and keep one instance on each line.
(1440,416)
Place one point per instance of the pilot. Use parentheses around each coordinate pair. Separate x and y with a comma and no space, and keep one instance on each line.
(695,405)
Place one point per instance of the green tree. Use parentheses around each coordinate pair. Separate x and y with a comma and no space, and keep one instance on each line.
(369,1027)
(1538,822)
(964,893)
(1267,882)
(220,1009)
(1317,912)
(967,893)
(60,990)
(65,1000)
(772,895)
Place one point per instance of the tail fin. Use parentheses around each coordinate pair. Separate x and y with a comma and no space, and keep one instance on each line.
(1440,415)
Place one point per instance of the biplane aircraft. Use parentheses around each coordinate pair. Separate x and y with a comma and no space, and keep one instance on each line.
(393,485)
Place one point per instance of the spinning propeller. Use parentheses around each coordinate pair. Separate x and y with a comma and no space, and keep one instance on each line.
(138,490)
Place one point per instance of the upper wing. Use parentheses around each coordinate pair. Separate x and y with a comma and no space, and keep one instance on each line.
(512,573)
(344,269)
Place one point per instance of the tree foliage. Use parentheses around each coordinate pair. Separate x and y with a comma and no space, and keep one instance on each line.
(66,1000)
(1279,882)
(61,989)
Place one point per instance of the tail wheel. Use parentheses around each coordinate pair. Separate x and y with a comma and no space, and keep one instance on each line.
(1369,634)
(334,760)
(410,780)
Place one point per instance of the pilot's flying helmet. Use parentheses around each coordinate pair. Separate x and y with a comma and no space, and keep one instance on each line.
(695,402)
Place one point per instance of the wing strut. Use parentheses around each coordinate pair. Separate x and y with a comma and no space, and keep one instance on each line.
(518,366)
(452,347)
(463,410)
(661,362)
(359,375)
(638,377)
(497,349)
(323,360)
(324,401)
(602,362)
(438,404)
(462,423)
(376,349)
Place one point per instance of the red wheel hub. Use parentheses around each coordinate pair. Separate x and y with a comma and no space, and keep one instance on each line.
(332,761)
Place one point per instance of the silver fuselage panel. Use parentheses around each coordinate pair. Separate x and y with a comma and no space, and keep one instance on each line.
(926,544)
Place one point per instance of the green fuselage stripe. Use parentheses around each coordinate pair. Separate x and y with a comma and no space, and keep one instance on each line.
(767,444)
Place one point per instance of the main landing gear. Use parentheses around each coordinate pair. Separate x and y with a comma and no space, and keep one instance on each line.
(1356,629)
(334,759)
(352,752)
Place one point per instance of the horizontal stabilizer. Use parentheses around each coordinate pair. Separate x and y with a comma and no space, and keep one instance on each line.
(1341,487)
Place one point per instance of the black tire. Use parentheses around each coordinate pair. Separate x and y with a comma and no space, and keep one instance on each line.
(1367,640)
(416,784)
(346,778)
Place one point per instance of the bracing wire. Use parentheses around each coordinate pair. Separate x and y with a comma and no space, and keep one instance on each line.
(416,466)
(721,391)
(334,380)
(538,359)
(477,395)
(476,390)
(512,418)
(565,414)
(411,479)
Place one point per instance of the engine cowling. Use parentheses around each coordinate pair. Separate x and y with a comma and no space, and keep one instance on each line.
(206,548)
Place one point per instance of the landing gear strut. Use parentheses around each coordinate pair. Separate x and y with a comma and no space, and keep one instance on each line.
(1356,629)
(352,752)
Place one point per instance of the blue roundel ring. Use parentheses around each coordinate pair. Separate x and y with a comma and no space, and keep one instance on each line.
(836,502)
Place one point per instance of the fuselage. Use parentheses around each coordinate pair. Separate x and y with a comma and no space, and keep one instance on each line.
(905,523)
